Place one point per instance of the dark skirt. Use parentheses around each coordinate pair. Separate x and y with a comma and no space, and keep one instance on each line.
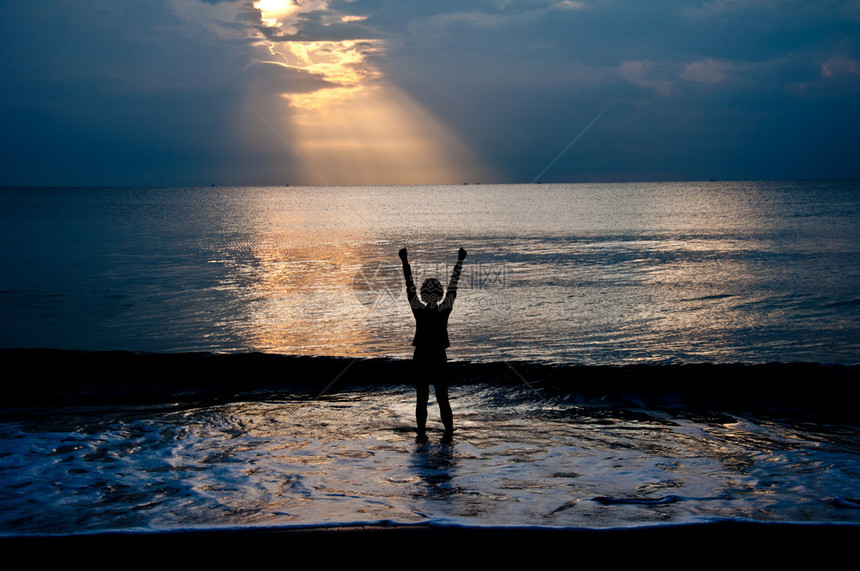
(429,366)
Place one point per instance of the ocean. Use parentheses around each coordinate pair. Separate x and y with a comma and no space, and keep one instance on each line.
(565,287)
(596,274)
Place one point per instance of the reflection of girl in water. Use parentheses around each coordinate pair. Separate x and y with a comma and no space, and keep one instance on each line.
(431,340)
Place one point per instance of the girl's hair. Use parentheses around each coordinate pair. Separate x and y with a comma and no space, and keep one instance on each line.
(430,287)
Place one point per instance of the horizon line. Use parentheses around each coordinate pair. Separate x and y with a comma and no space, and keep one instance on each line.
(390,185)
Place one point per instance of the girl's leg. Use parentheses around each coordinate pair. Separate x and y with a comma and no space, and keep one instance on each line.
(445,409)
(422,395)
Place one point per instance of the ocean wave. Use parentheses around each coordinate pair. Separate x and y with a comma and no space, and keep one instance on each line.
(814,391)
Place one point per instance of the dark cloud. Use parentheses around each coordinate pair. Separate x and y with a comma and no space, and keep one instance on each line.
(130,93)
(695,90)
(315,26)
(272,78)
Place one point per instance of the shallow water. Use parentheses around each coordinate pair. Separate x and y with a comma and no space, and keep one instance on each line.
(519,458)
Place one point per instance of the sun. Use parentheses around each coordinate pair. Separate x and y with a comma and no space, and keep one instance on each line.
(275,11)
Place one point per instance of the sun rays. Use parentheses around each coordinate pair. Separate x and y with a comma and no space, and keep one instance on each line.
(357,128)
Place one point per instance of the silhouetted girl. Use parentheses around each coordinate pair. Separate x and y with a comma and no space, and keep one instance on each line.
(430,342)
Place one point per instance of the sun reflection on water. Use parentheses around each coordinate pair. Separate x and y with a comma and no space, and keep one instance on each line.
(302,302)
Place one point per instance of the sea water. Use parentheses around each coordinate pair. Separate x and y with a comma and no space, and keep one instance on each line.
(579,273)
(518,459)
(594,274)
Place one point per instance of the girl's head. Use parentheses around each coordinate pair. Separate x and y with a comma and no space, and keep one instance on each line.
(431,291)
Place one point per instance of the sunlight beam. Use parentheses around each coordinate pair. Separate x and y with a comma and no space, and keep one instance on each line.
(358,129)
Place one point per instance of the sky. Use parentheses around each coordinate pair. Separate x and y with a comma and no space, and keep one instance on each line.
(334,92)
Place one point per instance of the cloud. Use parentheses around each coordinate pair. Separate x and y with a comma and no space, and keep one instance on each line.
(165,87)
(123,92)
(840,66)
(269,77)
(708,71)
(646,74)
(504,15)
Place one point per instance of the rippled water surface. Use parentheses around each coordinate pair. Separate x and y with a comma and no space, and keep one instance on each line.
(586,273)
(518,459)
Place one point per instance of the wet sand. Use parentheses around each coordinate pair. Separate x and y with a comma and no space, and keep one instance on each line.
(731,544)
